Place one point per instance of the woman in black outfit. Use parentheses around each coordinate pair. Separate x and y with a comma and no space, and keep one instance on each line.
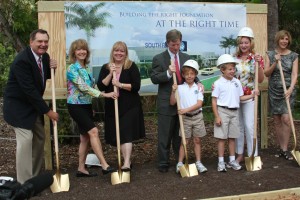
(131,117)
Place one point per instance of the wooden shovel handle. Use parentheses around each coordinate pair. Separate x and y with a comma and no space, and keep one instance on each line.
(288,104)
(117,124)
(54,122)
(180,120)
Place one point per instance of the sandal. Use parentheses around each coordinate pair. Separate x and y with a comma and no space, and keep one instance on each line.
(286,154)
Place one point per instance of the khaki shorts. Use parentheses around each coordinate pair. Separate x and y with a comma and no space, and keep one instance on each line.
(230,124)
(193,126)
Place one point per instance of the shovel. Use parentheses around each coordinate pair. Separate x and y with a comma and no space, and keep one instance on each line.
(296,154)
(61,182)
(119,176)
(187,170)
(253,163)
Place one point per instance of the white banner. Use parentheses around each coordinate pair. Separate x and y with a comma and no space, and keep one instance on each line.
(209,30)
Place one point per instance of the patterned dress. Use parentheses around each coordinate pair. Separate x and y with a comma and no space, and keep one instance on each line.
(245,71)
(276,92)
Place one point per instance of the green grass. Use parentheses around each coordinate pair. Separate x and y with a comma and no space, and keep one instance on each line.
(208,82)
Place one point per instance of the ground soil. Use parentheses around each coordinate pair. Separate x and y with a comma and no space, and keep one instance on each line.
(148,183)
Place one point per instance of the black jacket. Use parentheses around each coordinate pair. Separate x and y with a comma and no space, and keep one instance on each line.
(23,95)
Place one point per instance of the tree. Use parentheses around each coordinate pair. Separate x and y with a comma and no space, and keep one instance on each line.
(17,19)
(272,21)
(228,42)
(86,18)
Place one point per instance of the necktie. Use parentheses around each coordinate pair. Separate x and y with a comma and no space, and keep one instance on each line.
(178,74)
(40,65)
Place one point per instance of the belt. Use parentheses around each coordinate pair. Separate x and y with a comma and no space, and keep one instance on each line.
(194,114)
(228,108)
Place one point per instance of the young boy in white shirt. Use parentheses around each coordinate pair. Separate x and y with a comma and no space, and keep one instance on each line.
(226,97)
(191,100)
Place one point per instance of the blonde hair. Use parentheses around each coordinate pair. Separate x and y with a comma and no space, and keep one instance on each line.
(79,44)
(238,41)
(280,34)
(123,46)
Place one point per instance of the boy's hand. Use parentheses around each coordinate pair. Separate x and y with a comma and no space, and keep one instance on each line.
(174,87)
(218,121)
(182,111)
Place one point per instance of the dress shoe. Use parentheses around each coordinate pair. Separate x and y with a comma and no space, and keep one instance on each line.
(163,169)
(108,170)
(81,174)
(126,169)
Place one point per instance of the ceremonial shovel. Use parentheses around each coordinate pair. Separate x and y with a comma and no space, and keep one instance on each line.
(119,176)
(295,153)
(60,182)
(253,163)
(187,170)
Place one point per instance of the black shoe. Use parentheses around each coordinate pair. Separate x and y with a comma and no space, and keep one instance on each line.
(108,170)
(126,169)
(163,169)
(81,174)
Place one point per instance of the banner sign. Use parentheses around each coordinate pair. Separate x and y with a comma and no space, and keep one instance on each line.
(208,30)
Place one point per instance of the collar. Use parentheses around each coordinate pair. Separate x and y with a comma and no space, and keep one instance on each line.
(35,55)
(194,84)
(226,80)
(172,55)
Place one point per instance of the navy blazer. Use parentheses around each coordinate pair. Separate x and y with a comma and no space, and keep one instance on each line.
(23,95)
(160,65)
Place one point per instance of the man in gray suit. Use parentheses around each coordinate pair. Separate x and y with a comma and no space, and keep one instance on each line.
(168,123)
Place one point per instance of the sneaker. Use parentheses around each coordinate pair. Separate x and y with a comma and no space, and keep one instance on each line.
(200,167)
(234,165)
(222,167)
(180,164)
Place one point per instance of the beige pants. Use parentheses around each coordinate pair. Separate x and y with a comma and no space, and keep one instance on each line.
(30,151)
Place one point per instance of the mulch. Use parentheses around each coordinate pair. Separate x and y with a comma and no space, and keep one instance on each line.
(148,183)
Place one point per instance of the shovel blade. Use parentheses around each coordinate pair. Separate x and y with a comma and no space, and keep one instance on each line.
(296,155)
(188,170)
(61,183)
(253,163)
(120,177)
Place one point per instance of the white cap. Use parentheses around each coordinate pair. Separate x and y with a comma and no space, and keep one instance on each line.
(246,32)
(192,64)
(225,58)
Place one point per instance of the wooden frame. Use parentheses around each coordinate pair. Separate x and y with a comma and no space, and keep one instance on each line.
(51,18)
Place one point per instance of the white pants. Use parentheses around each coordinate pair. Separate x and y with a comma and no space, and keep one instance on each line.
(246,117)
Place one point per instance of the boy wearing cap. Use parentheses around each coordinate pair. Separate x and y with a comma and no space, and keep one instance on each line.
(226,98)
(191,100)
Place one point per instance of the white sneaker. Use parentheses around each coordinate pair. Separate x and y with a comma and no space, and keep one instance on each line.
(222,167)
(180,164)
(200,167)
(234,165)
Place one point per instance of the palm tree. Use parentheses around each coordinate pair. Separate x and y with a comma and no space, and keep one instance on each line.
(228,42)
(86,18)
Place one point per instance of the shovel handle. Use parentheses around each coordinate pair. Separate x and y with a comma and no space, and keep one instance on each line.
(180,120)
(54,122)
(117,124)
(288,104)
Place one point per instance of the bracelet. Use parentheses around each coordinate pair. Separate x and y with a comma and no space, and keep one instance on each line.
(122,85)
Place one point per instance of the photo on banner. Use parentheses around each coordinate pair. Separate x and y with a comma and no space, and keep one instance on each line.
(208,29)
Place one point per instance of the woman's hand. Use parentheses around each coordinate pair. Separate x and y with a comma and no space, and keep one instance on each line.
(277,57)
(200,87)
(288,93)
(112,95)
(257,57)
(116,83)
(112,67)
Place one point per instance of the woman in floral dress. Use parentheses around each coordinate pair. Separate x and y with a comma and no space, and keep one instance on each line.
(245,72)
(278,106)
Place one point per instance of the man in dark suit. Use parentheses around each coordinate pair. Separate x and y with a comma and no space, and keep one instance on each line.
(24,106)
(168,123)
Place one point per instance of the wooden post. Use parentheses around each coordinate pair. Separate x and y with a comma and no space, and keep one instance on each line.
(264,119)
(47,146)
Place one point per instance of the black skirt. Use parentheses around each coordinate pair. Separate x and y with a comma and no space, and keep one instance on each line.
(82,114)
